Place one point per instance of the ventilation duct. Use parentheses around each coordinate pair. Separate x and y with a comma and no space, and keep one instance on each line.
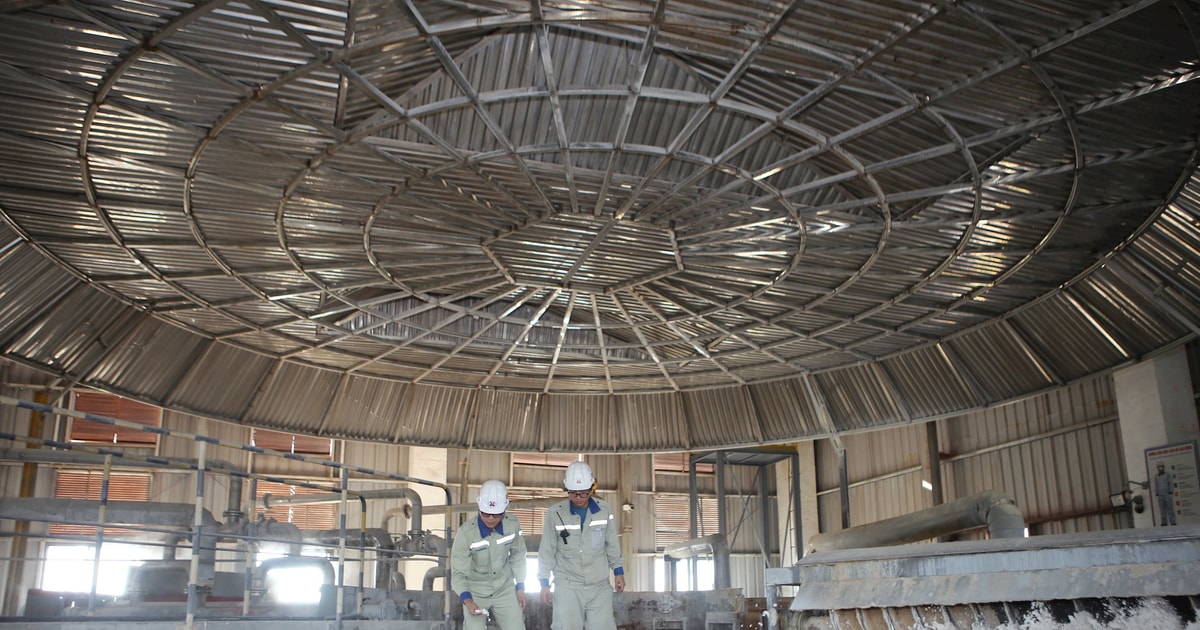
(714,545)
(997,511)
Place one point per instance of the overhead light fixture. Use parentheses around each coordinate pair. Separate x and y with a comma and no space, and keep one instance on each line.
(925,484)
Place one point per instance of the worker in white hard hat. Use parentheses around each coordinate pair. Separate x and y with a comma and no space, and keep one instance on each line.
(487,563)
(579,547)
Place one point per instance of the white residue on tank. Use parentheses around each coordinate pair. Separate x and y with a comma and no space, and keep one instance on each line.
(1153,613)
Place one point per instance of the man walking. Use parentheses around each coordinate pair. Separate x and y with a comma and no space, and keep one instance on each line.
(487,563)
(579,546)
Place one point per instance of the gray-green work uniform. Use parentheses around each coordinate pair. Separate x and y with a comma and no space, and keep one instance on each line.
(580,564)
(488,565)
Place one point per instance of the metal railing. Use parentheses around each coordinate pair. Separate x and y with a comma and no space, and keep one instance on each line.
(204,530)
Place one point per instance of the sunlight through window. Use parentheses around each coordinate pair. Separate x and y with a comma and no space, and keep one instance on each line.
(69,567)
(295,585)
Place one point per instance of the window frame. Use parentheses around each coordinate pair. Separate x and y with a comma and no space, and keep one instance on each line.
(678,462)
(294,443)
(672,519)
(108,405)
(86,485)
(305,516)
(547,460)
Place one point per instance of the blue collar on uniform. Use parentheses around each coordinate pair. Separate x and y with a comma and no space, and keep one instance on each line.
(592,507)
(484,531)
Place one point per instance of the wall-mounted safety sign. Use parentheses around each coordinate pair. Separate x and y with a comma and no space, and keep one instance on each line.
(1174,483)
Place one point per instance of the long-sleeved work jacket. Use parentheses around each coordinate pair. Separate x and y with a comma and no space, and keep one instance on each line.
(486,562)
(589,550)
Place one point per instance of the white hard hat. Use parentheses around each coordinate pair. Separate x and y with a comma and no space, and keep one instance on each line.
(579,477)
(493,497)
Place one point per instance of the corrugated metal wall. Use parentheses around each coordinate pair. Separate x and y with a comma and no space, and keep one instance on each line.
(1057,454)
(24,384)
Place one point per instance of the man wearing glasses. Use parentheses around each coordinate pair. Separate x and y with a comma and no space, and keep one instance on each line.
(487,563)
(579,546)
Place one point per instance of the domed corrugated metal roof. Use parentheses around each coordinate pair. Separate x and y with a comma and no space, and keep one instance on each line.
(594,226)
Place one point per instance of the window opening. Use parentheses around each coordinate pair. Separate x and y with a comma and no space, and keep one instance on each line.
(110,406)
(555,460)
(86,485)
(531,518)
(68,567)
(292,443)
(532,585)
(298,581)
(672,522)
(705,574)
(311,516)
(678,462)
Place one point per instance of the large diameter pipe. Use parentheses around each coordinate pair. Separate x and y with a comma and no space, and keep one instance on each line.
(144,513)
(233,505)
(148,513)
(997,511)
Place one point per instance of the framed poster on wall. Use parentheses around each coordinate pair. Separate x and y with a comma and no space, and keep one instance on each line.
(1173,483)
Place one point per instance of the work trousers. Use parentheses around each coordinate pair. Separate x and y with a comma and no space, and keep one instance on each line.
(577,607)
(504,608)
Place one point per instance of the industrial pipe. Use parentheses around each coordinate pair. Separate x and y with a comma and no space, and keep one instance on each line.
(149,513)
(997,511)
(432,574)
(512,505)
(369,495)
(378,538)
(383,540)
(145,513)
(714,544)
(233,503)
